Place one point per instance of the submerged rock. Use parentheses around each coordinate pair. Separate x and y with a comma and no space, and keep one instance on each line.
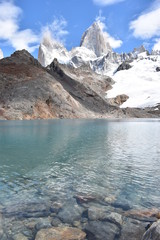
(84,199)
(153,233)
(61,233)
(132,230)
(20,236)
(43,223)
(97,230)
(1,226)
(147,215)
(70,212)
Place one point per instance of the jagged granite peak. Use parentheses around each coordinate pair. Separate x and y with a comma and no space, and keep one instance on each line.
(140,49)
(1,54)
(50,49)
(94,39)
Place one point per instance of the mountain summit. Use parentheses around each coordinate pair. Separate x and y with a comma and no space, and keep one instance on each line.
(95,39)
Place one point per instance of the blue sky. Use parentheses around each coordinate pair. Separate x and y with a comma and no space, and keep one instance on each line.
(129,23)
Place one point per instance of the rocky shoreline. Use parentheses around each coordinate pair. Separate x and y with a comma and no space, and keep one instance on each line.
(81,217)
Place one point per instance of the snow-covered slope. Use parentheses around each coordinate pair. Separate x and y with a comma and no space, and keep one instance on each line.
(1,54)
(141,82)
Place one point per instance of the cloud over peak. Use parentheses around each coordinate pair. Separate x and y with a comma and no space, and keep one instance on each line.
(10,30)
(57,29)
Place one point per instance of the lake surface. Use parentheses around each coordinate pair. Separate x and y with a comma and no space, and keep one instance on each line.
(40,160)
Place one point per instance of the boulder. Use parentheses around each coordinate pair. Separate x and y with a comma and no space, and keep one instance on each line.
(153,233)
(158,69)
(60,233)
(132,230)
(118,100)
(70,212)
(102,230)
(124,66)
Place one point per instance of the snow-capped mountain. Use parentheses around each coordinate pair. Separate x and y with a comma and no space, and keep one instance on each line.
(50,49)
(1,54)
(141,82)
(93,45)
(94,39)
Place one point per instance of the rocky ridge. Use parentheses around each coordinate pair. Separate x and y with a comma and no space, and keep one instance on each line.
(30,91)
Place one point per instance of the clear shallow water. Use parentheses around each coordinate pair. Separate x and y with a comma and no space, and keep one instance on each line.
(43,159)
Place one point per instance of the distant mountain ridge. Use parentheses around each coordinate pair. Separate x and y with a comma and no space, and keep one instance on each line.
(95,52)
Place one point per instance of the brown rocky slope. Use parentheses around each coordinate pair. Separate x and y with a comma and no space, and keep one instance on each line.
(29,91)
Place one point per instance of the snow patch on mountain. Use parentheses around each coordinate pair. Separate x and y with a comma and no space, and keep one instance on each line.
(141,83)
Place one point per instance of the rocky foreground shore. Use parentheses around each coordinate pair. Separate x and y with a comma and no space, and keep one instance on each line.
(30,91)
(82,217)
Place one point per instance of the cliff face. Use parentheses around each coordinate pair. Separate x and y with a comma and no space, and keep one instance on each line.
(95,40)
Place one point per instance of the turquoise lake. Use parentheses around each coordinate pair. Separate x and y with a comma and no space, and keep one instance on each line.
(40,160)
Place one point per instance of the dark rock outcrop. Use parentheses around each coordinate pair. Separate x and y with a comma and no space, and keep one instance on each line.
(118,100)
(158,69)
(124,66)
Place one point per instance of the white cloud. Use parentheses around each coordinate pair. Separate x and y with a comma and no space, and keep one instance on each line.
(106,2)
(10,30)
(57,29)
(157,44)
(147,25)
(114,43)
